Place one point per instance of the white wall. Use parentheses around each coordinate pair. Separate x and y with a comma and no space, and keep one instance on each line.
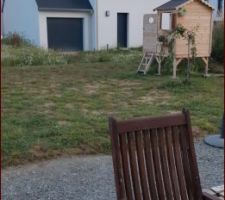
(93,21)
(1,19)
(214,3)
(21,16)
(107,26)
(86,26)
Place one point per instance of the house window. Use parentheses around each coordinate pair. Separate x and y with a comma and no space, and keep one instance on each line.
(151,20)
(166,21)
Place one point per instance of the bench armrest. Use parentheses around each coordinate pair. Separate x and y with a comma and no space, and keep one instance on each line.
(206,196)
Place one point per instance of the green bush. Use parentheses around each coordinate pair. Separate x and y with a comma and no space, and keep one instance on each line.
(218,42)
(15,40)
(18,51)
(114,56)
(167,65)
(30,55)
(104,57)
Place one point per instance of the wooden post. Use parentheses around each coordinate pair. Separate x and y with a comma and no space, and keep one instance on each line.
(159,68)
(188,65)
(159,61)
(174,68)
(207,67)
(176,62)
(206,61)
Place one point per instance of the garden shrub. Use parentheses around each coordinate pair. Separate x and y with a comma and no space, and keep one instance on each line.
(15,40)
(30,55)
(218,42)
(104,57)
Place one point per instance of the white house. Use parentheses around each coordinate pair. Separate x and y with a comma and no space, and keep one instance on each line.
(2,5)
(218,6)
(78,24)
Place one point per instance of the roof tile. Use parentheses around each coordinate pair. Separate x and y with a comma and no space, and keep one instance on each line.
(173,4)
(64,5)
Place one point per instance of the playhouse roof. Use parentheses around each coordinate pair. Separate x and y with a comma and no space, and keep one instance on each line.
(64,5)
(176,4)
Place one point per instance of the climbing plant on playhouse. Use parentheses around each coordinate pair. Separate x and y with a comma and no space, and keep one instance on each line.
(188,35)
(180,30)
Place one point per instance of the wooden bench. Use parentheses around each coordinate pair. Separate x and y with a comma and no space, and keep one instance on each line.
(216,191)
(154,159)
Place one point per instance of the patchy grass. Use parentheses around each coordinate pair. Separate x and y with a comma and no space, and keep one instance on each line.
(30,55)
(63,109)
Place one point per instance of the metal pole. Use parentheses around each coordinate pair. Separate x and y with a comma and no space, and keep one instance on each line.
(222,128)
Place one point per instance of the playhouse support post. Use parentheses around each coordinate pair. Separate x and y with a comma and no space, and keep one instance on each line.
(159,61)
(176,62)
(206,61)
(159,68)
(174,68)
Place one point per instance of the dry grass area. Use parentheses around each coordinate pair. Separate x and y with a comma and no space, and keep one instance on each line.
(55,110)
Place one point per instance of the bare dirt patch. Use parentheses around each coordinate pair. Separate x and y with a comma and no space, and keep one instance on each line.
(49,105)
(69,106)
(64,123)
(91,89)
(155,96)
(125,83)
(93,112)
(38,151)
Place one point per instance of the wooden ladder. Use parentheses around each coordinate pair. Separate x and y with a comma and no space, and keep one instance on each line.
(146,61)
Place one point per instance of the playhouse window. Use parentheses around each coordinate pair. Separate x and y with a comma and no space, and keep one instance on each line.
(166,21)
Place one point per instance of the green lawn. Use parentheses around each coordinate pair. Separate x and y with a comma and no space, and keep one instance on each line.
(63,109)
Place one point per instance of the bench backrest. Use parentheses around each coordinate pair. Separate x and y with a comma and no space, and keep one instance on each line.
(154,158)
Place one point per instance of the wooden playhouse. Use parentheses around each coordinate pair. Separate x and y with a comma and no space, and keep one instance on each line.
(188,13)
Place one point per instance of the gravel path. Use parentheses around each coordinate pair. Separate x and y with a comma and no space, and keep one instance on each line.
(88,177)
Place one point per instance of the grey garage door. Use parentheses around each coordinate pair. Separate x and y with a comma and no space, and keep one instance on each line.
(65,34)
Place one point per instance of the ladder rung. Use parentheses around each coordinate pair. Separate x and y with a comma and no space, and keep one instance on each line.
(145,63)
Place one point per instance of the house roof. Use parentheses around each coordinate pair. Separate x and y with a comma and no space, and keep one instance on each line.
(64,5)
(176,4)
